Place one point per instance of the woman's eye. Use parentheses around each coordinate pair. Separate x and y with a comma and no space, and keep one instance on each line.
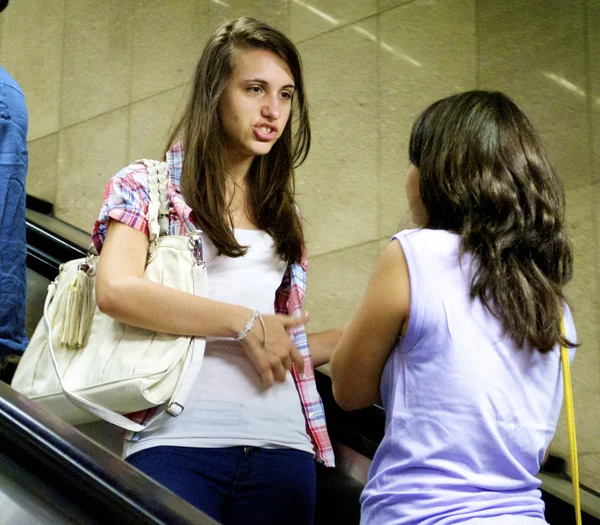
(286,95)
(255,89)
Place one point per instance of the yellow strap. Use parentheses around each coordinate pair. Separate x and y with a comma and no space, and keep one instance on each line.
(566,368)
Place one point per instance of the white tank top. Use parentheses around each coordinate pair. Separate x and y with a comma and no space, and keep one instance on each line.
(228,405)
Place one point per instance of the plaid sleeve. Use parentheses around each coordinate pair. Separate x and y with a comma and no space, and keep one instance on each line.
(125,200)
(304,259)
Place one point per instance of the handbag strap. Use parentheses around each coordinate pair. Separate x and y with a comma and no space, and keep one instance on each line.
(566,368)
(158,207)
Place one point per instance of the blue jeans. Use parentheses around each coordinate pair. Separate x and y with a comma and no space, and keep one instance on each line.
(237,485)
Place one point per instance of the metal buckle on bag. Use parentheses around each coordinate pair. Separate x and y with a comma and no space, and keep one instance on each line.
(197,250)
(87,268)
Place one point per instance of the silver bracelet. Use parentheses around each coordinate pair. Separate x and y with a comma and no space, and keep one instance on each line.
(255,315)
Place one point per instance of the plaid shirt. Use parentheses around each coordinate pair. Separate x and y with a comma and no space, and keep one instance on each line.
(126,200)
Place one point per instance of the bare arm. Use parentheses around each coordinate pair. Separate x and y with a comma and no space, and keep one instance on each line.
(359,357)
(123,293)
(322,344)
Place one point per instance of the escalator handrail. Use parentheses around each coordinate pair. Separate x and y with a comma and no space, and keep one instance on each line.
(62,457)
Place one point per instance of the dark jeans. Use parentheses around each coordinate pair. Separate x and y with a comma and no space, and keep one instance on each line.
(237,485)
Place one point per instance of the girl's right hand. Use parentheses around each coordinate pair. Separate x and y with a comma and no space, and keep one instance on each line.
(275,358)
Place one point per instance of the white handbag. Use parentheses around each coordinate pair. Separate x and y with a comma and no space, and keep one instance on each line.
(83,365)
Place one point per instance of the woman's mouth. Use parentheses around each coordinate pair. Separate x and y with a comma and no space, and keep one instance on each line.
(265,133)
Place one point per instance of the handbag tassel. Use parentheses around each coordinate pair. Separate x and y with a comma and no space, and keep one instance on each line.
(79,309)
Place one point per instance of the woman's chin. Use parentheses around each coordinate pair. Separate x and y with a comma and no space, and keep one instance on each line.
(262,148)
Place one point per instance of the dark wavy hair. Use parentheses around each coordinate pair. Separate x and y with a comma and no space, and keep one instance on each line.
(485,176)
(271,177)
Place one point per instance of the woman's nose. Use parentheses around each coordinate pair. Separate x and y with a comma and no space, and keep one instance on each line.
(272,109)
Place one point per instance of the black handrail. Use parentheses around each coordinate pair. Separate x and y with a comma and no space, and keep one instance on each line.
(50,459)
(46,249)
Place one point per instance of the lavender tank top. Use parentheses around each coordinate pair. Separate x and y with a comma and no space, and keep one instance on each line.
(469,415)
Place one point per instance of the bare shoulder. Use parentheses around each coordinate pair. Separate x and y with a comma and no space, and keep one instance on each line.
(391,278)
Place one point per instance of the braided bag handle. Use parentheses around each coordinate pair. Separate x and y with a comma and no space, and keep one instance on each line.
(158,207)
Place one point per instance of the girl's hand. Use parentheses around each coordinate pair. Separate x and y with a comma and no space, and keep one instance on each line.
(275,358)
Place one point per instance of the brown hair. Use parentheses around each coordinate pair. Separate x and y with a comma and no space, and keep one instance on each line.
(485,175)
(271,177)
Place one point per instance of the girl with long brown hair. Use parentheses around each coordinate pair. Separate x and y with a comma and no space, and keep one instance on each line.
(244,448)
(459,330)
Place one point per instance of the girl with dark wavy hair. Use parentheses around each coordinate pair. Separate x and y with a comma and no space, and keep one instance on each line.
(459,330)
(244,448)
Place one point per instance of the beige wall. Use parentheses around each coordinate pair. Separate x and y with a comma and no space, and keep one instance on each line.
(103,80)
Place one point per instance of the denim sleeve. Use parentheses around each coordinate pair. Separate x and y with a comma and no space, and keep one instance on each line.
(13,245)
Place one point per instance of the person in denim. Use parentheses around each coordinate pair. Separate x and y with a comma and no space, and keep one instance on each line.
(13,246)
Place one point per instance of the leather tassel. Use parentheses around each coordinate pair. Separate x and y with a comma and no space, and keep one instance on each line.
(77,310)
